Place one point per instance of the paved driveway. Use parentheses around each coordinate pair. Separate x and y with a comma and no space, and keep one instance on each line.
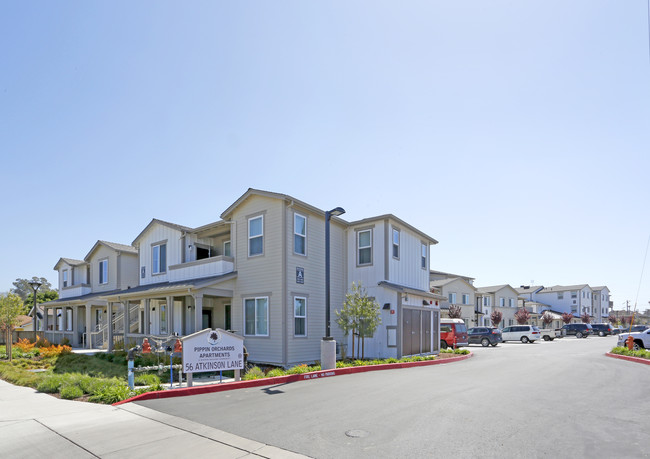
(546,399)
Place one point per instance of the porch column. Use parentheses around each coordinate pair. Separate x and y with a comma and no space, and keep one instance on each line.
(126,322)
(89,324)
(44,321)
(198,312)
(109,326)
(75,327)
(147,317)
(64,319)
(170,315)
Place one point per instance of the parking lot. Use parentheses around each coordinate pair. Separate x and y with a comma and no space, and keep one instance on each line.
(545,399)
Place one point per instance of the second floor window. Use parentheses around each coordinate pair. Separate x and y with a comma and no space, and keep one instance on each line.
(560,295)
(364,244)
(103,272)
(511,302)
(423,262)
(65,277)
(299,234)
(487,301)
(159,258)
(256,236)
(395,243)
(502,301)
(226,249)
(452,298)
(465,298)
(574,294)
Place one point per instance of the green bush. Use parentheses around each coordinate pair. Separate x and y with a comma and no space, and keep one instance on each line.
(50,384)
(642,353)
(254,373)
(71,392)
(276,372)
(111,394)
(147,380)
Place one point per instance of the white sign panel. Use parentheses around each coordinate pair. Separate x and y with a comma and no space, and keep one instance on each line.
(212,350)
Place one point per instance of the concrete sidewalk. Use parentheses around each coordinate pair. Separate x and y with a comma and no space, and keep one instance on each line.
(39,425)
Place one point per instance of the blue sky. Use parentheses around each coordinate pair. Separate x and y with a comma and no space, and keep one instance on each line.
(515,133)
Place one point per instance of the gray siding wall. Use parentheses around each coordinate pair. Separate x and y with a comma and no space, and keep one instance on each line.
(102,252)
(158,233)
(128,270)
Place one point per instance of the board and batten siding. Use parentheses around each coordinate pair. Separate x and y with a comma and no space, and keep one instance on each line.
(158,233)
(307,348)
(260,275)
(128,270)
(102,252)
(367,275)
(407,270)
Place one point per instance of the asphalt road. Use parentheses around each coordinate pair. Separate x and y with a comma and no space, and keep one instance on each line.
(546,399)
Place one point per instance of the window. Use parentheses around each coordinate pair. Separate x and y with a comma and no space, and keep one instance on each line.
(159,258)
(103,272)
(226,249)
(574,294)
(560,295)
(395,243)
(299,234)
(364,247)
(424,256)
(511,302)
(256,316)
(452,298)
(256,236)
(300,316)
(65,277)
(487,301)
(502,301)
(465,298)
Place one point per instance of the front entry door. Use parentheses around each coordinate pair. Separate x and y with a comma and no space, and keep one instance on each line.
(207,319)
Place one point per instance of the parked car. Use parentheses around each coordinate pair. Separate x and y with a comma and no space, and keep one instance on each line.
(549,334)
(578,330)
(641,340)
(617,330)
(484,336)
(638,328)
(452,332)
(523,333)
(602,329)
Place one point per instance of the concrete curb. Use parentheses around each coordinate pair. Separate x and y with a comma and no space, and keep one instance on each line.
(185,391)
(629,358)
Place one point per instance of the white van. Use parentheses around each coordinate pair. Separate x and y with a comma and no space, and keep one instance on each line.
(523,333)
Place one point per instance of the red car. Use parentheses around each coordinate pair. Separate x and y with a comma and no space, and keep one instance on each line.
(453,333)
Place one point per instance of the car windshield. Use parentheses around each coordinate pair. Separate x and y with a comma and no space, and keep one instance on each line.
(461,328)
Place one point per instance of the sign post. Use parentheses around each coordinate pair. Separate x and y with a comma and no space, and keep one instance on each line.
(212,350)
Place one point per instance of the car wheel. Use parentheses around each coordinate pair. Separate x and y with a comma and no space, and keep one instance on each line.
(485,342)
(495,345)
(443,344)
(524,339)
(636,346)
(547,338)
(551,339)
(601,333)
(579,335)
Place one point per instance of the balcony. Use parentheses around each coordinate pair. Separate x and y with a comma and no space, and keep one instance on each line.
(75,290)
(206,267)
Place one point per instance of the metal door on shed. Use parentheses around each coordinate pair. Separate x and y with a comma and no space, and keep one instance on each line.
(416,331)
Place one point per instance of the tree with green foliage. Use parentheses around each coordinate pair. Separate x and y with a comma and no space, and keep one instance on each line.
(23,289)
(11,306)
(360,315)
(42,297)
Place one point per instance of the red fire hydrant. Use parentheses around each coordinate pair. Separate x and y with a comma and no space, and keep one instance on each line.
(629,342)
(146,347)
(178,347)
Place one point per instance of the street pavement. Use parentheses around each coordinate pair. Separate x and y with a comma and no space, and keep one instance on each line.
(34,425)
(546,399)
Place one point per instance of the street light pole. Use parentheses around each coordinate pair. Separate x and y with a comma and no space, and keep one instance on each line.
(35,285)
(328,345)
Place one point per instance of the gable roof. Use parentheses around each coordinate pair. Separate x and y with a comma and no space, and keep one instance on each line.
(155,221)
(443,282)
(69,261)
(529,288)
(493,288)
(398,220)
(113,246)
(563,288)
(434,272)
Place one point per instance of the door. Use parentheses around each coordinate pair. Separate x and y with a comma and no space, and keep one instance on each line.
(416,329)
(228,317)
(406,332)
(426,329)
(207,319)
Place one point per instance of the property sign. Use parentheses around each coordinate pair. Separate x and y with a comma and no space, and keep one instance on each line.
(212,350)
(300,275)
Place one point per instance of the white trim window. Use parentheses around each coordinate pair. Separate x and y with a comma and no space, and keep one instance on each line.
(299,316)
(511,302)
(423,255)
(560,295)
(299,234)
(574,294)
(256,316)
(395,243)
(452,298)
(364,247)
(65,277)
(465,298)
(103,272)
(159,258)
(487,301)
(502,301)
(226,249)
(256,236)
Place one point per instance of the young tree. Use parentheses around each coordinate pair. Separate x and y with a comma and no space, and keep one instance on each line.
(10,308)
(455,311)
(360,314)
(612,319)
(567,318)
(496,318)
(585,318)
(623,321)
(547,319)
(522,316)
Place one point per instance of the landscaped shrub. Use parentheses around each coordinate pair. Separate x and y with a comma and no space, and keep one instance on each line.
(276,372)
(24,345)
(71,392)
(54,351)
(42,342)
(147,380)
(642,353)
(51,384)
(65,342)
(111,394)
(254,373)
